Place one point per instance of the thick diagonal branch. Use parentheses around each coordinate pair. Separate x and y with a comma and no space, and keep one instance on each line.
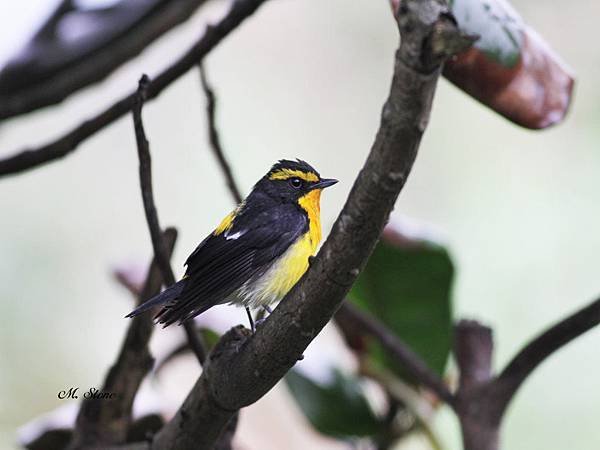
(30,158)
(158,243)
(101,422)
(240,369)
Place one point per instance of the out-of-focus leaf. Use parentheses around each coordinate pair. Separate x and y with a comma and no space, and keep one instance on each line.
(496,23)
(406,284)
(337,408)
(210,337)
(510,69)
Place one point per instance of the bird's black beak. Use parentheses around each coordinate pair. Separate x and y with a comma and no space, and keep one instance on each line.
(325,182)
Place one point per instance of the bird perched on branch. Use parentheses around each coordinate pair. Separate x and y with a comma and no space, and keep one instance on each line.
(257,253)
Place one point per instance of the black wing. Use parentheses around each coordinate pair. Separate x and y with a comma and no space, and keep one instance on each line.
(223,263)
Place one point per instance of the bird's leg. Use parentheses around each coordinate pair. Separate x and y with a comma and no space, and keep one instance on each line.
(250,319)
(262,319)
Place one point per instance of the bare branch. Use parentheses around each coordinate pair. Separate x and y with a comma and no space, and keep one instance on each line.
(243,367)
(350,316)
(107,422)
(150,210)
(64,67)
(482,399)
(213,135)
(66,144)
(535,352)
(125,280)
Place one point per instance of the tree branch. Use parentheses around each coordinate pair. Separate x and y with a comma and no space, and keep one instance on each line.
(63,68)
(243,367)
(66,144)
(213,136)
(106,422)
(350,316)
(482,399)
(150,209)
(473,349)
(536,351)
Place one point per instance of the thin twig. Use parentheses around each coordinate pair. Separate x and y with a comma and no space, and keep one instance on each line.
(213,135)
(124,279)
(352,317)
(30,158)
(536,351)
(158,245)
(108,422)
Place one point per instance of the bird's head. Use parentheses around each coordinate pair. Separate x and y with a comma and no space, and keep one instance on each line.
(291,181)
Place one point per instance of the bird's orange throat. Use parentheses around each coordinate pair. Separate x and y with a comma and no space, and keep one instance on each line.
(311,204)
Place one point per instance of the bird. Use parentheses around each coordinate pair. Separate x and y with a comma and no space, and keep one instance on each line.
(256,254)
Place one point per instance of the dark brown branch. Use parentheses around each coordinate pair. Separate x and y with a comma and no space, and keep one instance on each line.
(473,349)
(482,399)
(48,82)
(66,144)
(107,422)
(534,353)
(353,318)
(213,136)
(242,368)
(150,209)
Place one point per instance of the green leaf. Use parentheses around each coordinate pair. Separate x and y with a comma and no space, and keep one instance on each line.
(210,337)
(407,284)
(499,26)
(337,408)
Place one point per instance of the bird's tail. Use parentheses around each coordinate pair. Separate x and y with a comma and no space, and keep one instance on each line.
(165,297)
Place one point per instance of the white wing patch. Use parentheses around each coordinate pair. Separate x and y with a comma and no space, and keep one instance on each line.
(235,235)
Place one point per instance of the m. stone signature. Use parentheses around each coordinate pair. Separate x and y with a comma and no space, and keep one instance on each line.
(91,393)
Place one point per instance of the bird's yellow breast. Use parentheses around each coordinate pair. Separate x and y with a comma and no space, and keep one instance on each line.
(285,272)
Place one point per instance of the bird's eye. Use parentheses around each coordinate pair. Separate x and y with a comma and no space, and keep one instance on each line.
(296,183)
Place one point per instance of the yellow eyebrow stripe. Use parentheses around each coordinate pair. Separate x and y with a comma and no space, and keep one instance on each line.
(285,174)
